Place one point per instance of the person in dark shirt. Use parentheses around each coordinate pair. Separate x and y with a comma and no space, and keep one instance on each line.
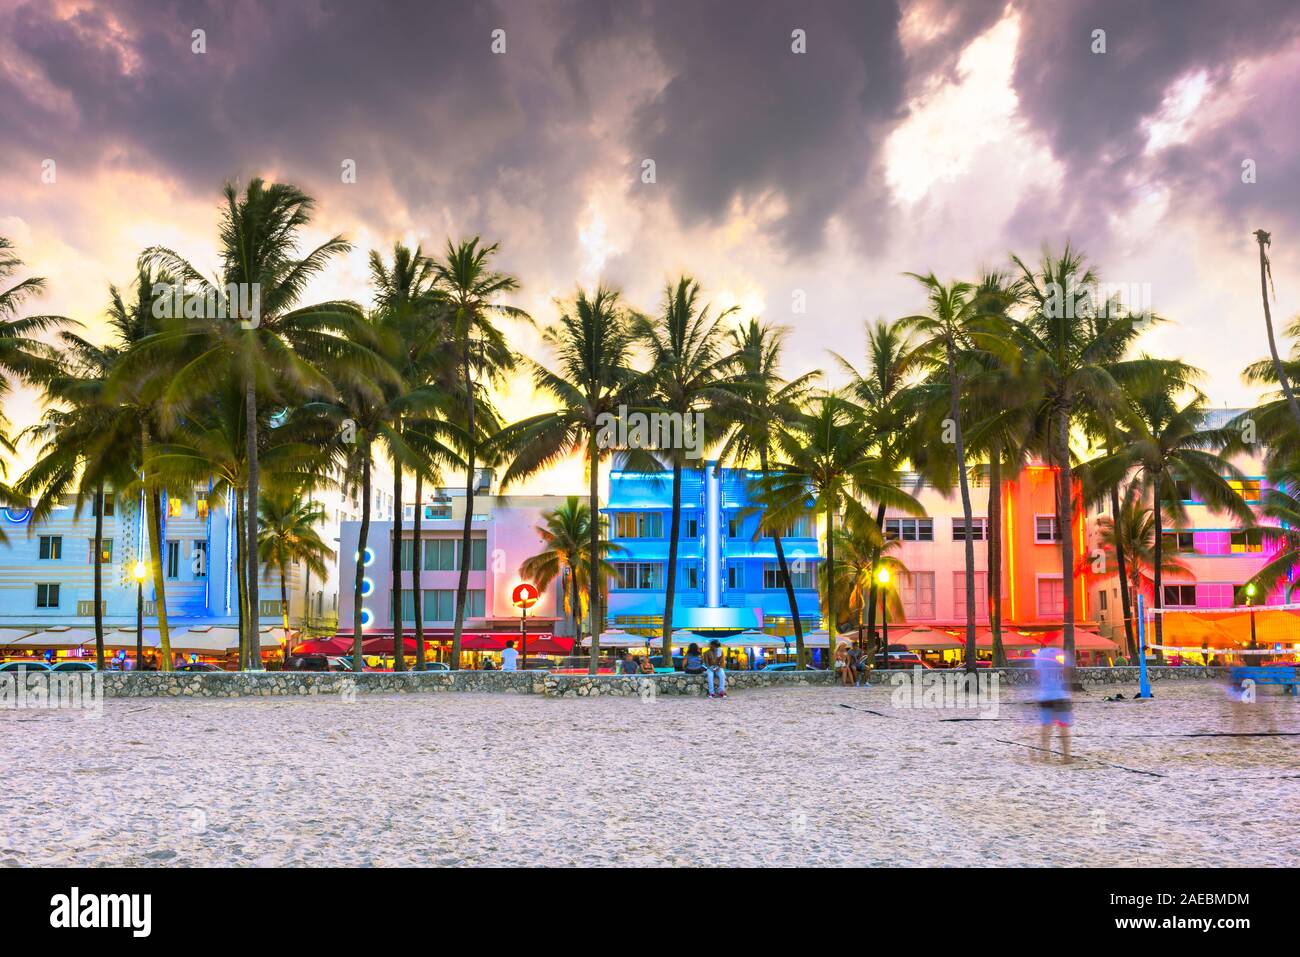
(715,669)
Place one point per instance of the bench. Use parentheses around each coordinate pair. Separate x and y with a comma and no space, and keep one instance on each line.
(1287,677)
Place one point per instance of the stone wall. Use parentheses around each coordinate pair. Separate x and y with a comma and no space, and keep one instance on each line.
(268,683)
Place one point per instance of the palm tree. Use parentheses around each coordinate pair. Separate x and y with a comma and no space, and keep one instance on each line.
(1130,536)
(286,536)
(879,391)
(1163,446)
(828,463)
(472,288)
(1073,363)
(592,342)
(565,534)
(956,327)
(23,357)
(861,551)
(1280,503)
(276,348)
(689,370)
(756,397)
(1265,278)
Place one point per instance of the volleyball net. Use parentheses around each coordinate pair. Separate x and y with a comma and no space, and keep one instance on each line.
(1252,632)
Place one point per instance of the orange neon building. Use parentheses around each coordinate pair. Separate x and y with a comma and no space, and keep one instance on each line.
(1033,589)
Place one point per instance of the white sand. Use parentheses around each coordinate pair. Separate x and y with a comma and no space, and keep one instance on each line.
(784,777)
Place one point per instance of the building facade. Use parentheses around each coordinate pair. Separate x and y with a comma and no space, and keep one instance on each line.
(728,578)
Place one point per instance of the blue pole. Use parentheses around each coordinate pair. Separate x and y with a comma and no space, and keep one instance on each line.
(1144,685)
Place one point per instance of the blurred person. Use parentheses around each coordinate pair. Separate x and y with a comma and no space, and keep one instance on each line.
(510,657)
(1053,696)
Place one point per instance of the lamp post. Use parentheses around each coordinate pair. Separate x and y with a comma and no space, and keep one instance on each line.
(524,597)
(139,573)
(882,579)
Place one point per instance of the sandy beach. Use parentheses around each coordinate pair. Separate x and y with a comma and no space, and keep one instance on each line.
(777,777)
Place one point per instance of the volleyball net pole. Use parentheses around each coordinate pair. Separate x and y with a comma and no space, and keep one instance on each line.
(1144,683)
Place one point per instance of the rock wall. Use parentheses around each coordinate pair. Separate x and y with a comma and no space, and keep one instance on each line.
(268,683)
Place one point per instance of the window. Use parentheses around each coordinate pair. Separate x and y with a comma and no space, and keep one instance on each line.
(798,528)
(408,554)
(1248,489)
(910,529)
(1046,529)
(639,525)
(692,527)
(438,509)
(51,548)
(690,576)
(199,558)
(959,595)
(979,529)
(105,551)
(201,506)
(1244,543)
(47,595)
(805,579)
(174,559)
(641,576)
(917,591)
(108,505)
(1051,597)
(440,604)
(1179,595)
(1101,600)
(733,526)
(173,507)
(735,576)
(1179,542)
(440,555)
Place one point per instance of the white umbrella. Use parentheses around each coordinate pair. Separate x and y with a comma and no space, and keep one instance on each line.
(681,638)
(617,638)
(821,638)
(754,639)
(125,638)
(212,641)
(57,638)
(9,635)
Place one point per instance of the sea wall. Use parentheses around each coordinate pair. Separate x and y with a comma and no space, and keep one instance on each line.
(276,683)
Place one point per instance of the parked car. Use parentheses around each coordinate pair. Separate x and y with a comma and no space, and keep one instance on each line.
(432,666)
(32,666)
(782,666)
(194,666)
(308,663)
(902,659)
(65,666)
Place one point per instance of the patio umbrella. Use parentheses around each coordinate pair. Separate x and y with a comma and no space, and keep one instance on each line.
(1083,641)
(58,638)
(821,638)
(384,644)
(922,638)
(125,638)
(9,635)
(617,638)
(754,639)
(324,646)
(1010,638)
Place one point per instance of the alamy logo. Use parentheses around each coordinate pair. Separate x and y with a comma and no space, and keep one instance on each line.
(937,690)
(73,910)
(237,300)
(654,430)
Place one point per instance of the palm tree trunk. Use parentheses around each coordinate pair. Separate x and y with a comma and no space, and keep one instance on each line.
(254,605)
(674,534)
(995,557)
(417,567)
(1067,535)
(1125,602)
(399,643)
(153,509)
(241,580)
(1157,573)
(784,567)
(830,580)
(1265,268)
(99,576)
(357,663)
(964,481)
(284,609)
(593,558)
(872,587)
(462,585)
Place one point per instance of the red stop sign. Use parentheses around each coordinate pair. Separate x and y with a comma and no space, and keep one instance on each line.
(524,595)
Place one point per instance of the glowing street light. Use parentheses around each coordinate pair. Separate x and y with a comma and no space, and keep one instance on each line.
(882,579)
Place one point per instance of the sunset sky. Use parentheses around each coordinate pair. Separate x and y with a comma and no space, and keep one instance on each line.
(909,136)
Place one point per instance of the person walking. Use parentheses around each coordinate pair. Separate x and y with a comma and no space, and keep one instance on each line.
(1053,696)
(715,669)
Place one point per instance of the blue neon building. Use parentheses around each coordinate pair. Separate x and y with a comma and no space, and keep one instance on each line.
(727,579)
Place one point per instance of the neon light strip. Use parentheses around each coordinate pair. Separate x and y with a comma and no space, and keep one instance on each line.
(1011,548)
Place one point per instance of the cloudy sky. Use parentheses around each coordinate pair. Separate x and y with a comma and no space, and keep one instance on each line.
(925,135)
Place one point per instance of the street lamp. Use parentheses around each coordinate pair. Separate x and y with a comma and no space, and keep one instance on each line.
(139,573)
(524,597)
(882,579)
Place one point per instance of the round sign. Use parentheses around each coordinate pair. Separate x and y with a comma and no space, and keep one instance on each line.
(524,596)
